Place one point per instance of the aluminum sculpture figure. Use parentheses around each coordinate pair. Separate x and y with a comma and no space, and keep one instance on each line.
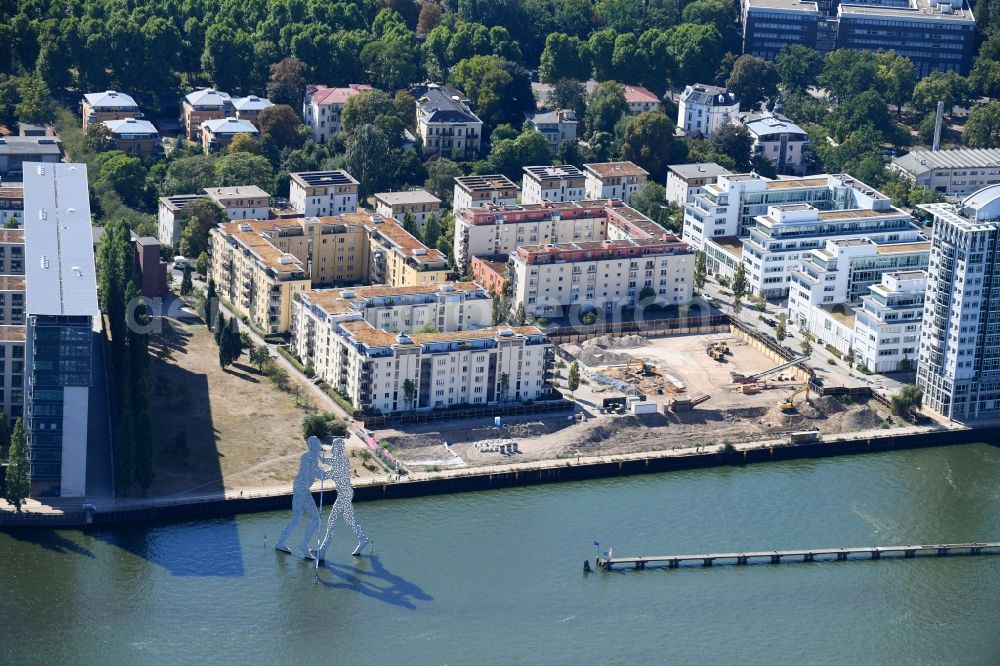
(310,469)
(340,473)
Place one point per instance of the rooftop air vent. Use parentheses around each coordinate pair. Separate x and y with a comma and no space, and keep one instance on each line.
(347,293)
(505,332)
(404,339)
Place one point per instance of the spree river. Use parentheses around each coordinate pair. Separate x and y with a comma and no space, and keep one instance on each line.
(495,577)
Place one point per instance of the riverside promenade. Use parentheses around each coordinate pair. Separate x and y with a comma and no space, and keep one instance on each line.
(71,513)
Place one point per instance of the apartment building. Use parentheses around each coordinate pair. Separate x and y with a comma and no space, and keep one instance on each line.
(248,108)
(490,272)
(550,280)
(135,137)
(169,225)
(476,191)
(245,202)
(887,325)
(62,322)
(552,183)
(16,150)
(685,181)
(445,123)
(203,105)
(556,126)
(640,100)
(955,173)
(217,134)
(11,205)
(12,319)
(613,180)
(108,105)
(323,193)
(936,36)
(778,140)
(703,109)
(322,106)
(11,251)
(959,355)
(418,202)
(495,230)
(400,260)
(386,372)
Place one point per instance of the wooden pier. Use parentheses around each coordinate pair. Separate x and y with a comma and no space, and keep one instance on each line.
(810,555)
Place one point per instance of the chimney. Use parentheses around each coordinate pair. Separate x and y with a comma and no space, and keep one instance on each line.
(937,126)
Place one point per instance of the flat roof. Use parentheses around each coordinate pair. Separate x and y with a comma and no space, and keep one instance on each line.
(403,241)
(771,123)
(553,172)
(497,265)
(30,145)
(237,192)
(916,10)
(12,333)
(175,202)
(608,169)
(403,197)
(320,178)
(364,332)
(485,183)
(851,213)
(699,170)
(334,300)
(922,161)
(787,5)
(731,244)
(895,248)
(59,248)
(11,283)
(842,313)
(796,182)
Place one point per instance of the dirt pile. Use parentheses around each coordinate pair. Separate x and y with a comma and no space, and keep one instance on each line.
(826,413)
(603,350)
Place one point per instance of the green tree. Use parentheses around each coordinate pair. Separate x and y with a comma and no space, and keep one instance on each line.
(242,169)
(568,94)
(520,316)
(98,138)
(366,109)
(198,218)
(651,201)
(410,225)
(323,424)
(16,486)
(601,45)
(564,57)
(898,76)
(367,148)
(760,302)
(700,270)
(409,393)
(230,344)
(847,73)
(806,344)
(735,142)
(753,80)
(983,127)
(36,105)
(739,287)
(573,379)
(189,175)
(243,143)
(392,63)
(648,141)
(798,66)
(867,108)
(948,87)
(621,15)
(280,123)
(201,264)
(906,403)
(696,51)
(781,327)
(509,156)
(126,176)
(605,107)
(441,174)
(221,325)
(260,357)
(287,82)
(211,307)
(186,285)
(431,231)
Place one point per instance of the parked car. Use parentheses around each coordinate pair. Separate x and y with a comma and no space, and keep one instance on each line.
(182,262)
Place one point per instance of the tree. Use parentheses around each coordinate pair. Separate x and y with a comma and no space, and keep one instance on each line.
(242,143)
(700,269)
(648,141)
(735,142)
(221,325)
(867,108)
(753,80)
(260,357)
(287,82)
(499,90)
(323,425)
(621,15)
(906,403)
(573,379)
(36,105)
(696,51)
(430,18)
(241,169)
(651,200)
(739,287)
(186,286)
(948,87)
(199,218)
(98,138)
(230,344)
(391,62)
(781,328)
(16,486)
(898,76)
(983,127)
(847,73)
(280,124)
(806,344)
(568,94)
(211,307)
(409,393)
(441,174)
(984,79)
(189,174)
(126,175)
(201,263)
(431,231)
(605,107)
(520,316)
(798,66)
(366,109)
(509,156)
(564,57)
(367,150)
(760,302)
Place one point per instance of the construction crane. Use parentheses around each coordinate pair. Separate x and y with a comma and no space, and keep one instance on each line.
(738,378)
(788,404)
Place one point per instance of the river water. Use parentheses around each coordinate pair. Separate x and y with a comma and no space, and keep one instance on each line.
(495,577)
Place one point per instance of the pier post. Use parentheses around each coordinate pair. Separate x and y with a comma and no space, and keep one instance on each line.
(975,550)
(707,561)
(741,559)
(639,564)
(876,554)
(942,551)
(776,559)
(586,566)
(911,552)
(673,564)
(841,556)
(808,557)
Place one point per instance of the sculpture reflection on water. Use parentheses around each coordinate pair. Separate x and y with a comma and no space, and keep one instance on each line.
(312,466)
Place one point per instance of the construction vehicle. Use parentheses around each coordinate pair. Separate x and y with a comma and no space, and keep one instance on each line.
(788,404)
(717,351)
(738,378)
(685,404)
(644,369)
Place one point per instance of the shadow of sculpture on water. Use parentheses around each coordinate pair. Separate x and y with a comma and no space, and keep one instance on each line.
(49,540)
(370,578)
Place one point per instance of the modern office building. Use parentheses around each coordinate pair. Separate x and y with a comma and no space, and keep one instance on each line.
(936,36)
(959,357)
(12,292)
(686,181)
(613,180)
(552,183)
(476,191)
(887,325)
(955,173)
(703,109)
(62,318)
(323,193)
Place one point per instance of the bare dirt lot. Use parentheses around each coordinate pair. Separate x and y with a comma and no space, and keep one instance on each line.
(679,362)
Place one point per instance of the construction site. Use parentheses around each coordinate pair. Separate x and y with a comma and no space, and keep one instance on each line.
(639,394)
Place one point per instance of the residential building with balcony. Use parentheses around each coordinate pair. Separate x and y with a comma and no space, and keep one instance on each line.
(203,105)
(323,193)
(685,181)
(217,134)
(957,172)
(135,137)
(11,204)
(108,105)
(556,126)
(959,355)
(398,259)
(490,272)
(640,100)
(248,108)
(322,106)
(446,123)
(169,224)
(551,280)
(702,109)
(778,140)
(553,183)
(244,202)
(887,325)
(476,191)
(418,202)
(613,180)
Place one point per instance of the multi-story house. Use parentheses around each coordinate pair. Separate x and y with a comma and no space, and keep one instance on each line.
(168,217)
(552,183)
(476,191)
(203,105)
(418,202)
(217,134)
(686,181)
(553,279)
(640,100)
(135,137)
(955,173)
(323,105)
(959,356)
(445,123)
(703,109)
(778,140)
(399,259)
(556,126)
(249,107)
(16,150)
(323,193)
(490,272)
(245,202)
(613,180)
(11,205)
(109,105)
(887,325)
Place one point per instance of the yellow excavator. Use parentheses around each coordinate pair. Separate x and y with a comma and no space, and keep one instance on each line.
(788,404)
(643,368)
